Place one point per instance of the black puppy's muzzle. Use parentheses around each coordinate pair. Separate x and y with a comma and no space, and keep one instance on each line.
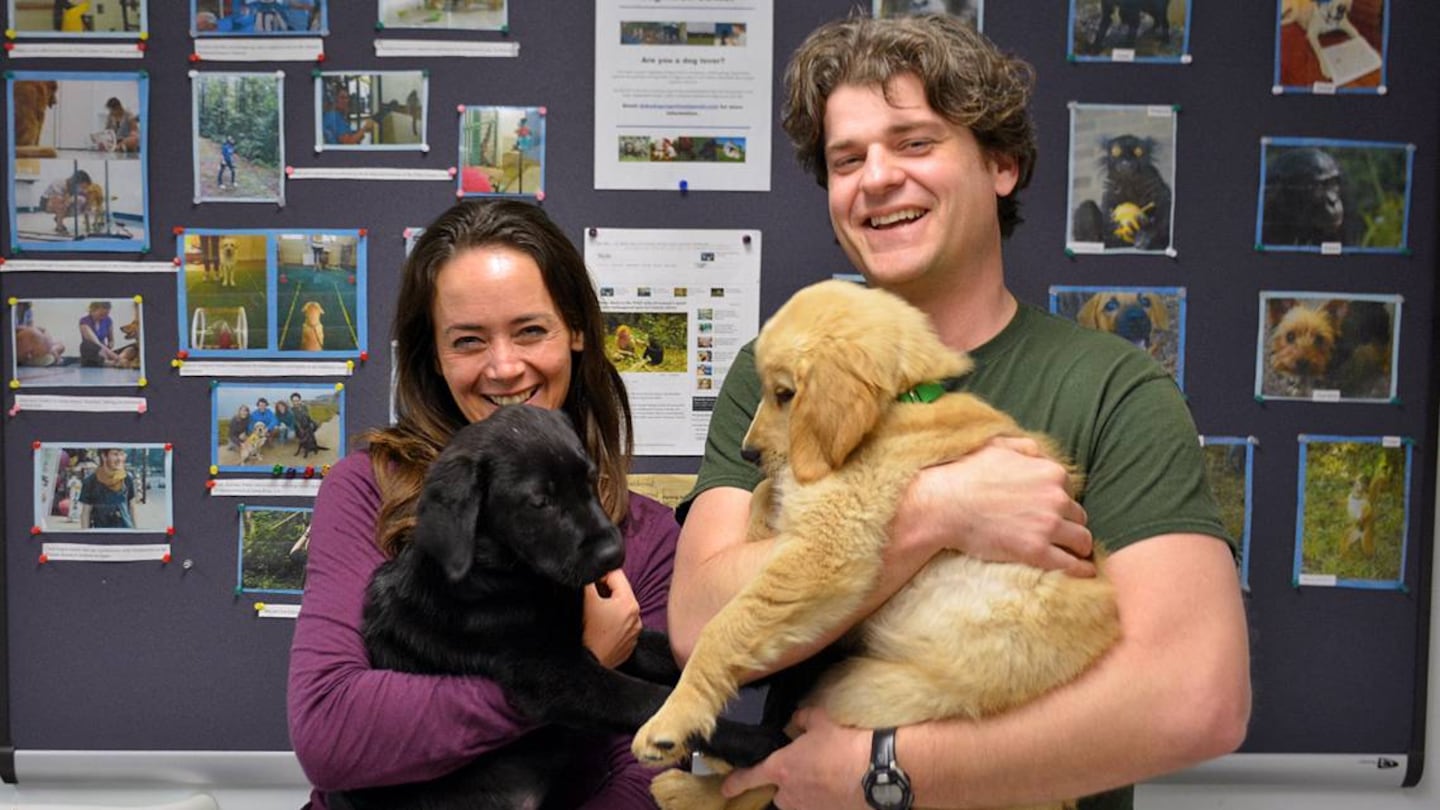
(604,552)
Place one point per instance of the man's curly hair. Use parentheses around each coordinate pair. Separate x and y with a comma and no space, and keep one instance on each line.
(967,80)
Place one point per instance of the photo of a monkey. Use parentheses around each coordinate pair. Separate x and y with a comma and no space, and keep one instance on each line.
(1122,172)
(1334,195)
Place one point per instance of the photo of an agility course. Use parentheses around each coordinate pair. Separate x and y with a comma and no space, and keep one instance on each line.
(264,293)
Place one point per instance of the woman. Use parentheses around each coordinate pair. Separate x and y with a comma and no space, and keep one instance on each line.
(284,422)
(495,308)
(107,498)
(123,125)
(239,427)
(97,336)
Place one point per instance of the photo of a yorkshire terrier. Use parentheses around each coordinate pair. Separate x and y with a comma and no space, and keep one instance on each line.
(1312,345)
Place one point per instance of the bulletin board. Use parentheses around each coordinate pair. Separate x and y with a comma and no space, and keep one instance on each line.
(171,655)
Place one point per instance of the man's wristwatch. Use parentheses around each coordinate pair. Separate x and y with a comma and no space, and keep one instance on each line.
(886,787)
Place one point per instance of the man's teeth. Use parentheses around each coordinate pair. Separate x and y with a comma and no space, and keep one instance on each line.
(898,216)
(514,399)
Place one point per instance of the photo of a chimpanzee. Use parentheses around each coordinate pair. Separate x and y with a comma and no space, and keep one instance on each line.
(1122,172)
(1334,196)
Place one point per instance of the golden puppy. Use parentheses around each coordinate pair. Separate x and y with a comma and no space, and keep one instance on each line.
(312,332)
(33,99)
(254,440)
(229,258)
(965,638)
(1135,316)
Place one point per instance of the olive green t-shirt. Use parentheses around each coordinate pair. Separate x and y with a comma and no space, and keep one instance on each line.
(1113,410)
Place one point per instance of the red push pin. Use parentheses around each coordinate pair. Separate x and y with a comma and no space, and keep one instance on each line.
(44,558)
(165,558)
(35,445)
(169,447)
(178,229)
(183,355)
(320,57)
(364,231)
(310,472)
(364,356)
(142,408)
(175,261)
(194,57)
(169,531)
(34,530)
(210,484)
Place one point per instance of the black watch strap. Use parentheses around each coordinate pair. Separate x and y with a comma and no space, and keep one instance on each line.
(885,785)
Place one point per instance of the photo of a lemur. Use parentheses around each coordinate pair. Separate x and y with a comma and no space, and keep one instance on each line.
(1328,347)
(1129,30)
(77,157)
(1122,178)
(1352,521)
(1332,46)
(1334,196)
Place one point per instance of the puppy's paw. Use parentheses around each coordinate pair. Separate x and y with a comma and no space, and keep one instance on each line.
(678,790)
(667,737)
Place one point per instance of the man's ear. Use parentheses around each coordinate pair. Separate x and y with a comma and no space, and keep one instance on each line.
(1005,171)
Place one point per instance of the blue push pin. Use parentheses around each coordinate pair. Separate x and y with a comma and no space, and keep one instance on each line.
(684,186)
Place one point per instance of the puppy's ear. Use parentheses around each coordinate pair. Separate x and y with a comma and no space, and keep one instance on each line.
(1089,315)
(1159,316)
(448,513)
(1276,309)
(836,404)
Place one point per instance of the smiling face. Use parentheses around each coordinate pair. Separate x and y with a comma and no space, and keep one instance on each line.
(499,338)
(912,196)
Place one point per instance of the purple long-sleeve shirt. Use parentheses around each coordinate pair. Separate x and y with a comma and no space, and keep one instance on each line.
(353,726)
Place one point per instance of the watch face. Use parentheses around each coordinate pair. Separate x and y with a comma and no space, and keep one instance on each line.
(887,795)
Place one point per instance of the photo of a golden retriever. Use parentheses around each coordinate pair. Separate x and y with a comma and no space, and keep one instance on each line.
(839,447)
(254,441)
(312,332)
(33,100)
(229,258)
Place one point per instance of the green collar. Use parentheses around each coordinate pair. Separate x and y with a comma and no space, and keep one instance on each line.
(929,391)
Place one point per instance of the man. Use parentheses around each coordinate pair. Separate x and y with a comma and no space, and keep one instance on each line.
(335,123)
(262,415)
(920,199)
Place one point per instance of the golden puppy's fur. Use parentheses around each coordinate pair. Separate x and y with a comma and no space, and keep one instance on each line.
(229,258)
(254,440)
(1131,315)
(312,332)
(965,638)
(33,99)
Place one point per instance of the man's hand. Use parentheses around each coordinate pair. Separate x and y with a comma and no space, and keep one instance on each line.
(612,619)
(1005,502)
(821,769)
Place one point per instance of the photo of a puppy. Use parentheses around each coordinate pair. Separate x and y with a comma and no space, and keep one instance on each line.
(251,446)
(839,446)
(1320,41)
(1321,347)
(483,576)
(33,100)
(229,259)
(1150,318)
(312,333)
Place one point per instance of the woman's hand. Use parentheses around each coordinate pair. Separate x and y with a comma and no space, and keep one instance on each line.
(612,619)
(1005,502)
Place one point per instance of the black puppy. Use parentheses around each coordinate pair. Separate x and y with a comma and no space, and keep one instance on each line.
(306,444)
(508,534)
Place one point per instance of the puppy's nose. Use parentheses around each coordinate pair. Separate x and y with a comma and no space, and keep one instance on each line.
(750,454)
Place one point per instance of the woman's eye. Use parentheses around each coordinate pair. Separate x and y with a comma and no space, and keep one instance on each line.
(533,333)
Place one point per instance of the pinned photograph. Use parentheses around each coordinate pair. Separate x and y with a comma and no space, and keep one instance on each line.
(272,294)
(239,137)
(379,111)
(458,15)
(646,341)
(1328,347)
(77,158)
(77,342)
(970,11)
(121,487)
(274,545)
(673,148)
(1331,46)
(1129,31)
(1353,518)
(262,426)
(1334,196)
(258,18)
(1122,179)
(317,293)
(502,151)
(1151,318)
(78,19)
(1229,469)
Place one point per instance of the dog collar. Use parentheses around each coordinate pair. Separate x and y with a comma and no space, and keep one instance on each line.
(930,390)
